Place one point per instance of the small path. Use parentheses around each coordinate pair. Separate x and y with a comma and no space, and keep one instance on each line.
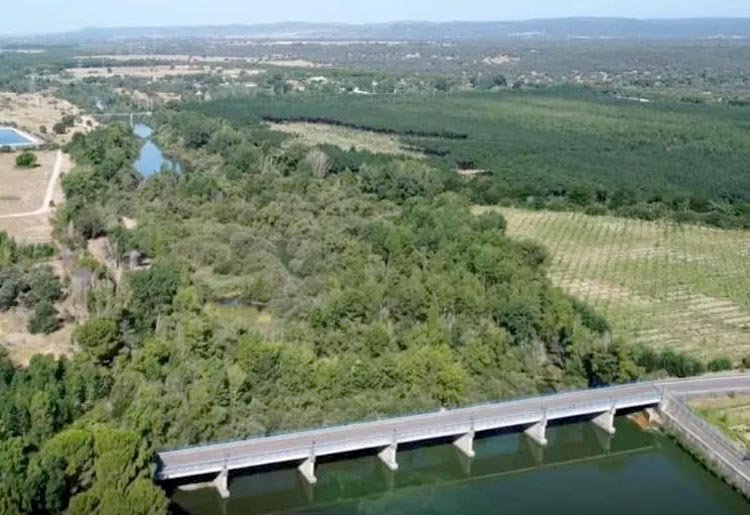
(49,194)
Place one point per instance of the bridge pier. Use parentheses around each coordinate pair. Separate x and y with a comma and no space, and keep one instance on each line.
(606,420)
(388,457)
(307,469)
(465,444)
(536,450)
(222,483)
(538,432)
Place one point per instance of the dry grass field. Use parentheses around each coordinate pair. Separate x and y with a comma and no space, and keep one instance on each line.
(659,283)
(344,138)
(194,59)
(29,111)
(22,192)
(158,71)
(22,346)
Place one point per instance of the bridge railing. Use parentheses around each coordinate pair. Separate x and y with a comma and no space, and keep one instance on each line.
(236,458)
(641,386)
(686,416)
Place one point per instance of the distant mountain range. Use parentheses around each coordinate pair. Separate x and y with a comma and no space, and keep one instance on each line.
(558,28)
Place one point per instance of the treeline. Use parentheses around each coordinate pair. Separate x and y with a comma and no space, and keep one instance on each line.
(557,148)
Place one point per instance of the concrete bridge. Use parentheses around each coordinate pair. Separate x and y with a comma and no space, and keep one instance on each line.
(384,436)
(131,116)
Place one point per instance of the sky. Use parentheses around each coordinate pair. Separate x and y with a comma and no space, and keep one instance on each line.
(41,16)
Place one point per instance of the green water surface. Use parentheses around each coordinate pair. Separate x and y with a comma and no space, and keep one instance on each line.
(582,471)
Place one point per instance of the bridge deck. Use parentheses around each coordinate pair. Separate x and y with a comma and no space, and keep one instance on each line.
(378,434)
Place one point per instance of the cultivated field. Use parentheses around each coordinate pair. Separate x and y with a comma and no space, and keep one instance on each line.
(193,59)
(344,138)
(158,72)
(660,284)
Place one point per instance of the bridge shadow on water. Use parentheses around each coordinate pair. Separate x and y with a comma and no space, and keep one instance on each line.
(359,477)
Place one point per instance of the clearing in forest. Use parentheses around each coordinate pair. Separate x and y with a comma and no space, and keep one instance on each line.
(684,287)
(345,138)
(25,195)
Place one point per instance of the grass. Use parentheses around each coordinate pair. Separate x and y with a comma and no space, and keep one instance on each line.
(730,415)
(345,138)
(660,284)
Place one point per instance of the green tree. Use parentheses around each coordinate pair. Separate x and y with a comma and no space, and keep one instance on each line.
(100,337)
(44,319)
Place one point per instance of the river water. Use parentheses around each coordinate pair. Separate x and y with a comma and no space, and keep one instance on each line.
(581,472)
(151,159)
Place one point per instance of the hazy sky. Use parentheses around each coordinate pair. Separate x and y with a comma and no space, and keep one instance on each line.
(25,16)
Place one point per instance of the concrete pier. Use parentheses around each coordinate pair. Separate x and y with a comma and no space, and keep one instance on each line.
(538,431)
(460,426)
(388,457)
(307,469)
(465,444)
(222,483)
(606,421)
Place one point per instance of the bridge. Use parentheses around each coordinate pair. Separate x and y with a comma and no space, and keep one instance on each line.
(383,437)
(131,115)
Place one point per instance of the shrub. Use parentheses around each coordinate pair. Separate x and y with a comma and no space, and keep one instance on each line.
(44,320)
(26,160)
(719,365)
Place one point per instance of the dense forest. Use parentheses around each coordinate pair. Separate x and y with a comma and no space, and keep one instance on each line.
(556,148)
(273,288)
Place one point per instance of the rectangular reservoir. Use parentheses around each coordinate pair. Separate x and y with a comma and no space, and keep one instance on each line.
(15,139)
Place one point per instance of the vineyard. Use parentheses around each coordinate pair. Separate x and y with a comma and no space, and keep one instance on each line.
(661,284)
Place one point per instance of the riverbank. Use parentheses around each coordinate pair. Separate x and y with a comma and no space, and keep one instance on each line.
(707,444)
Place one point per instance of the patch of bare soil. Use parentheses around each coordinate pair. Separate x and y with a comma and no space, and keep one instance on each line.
(22,346)
(22,189)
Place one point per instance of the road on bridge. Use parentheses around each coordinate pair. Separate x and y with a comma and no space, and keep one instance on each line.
(301,445)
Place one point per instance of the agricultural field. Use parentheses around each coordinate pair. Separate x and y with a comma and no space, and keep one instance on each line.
(345,138)
(730,415)
(683,287)
(156,71)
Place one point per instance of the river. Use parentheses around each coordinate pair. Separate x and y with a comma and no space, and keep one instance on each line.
(151,159)
(581,472)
